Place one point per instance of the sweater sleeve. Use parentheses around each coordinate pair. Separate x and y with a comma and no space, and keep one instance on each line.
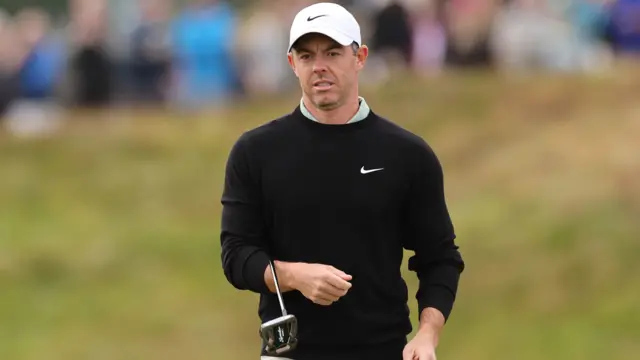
(430,234)
(243,245)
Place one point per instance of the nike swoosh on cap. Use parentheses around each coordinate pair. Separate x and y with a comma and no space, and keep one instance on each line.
(315,17)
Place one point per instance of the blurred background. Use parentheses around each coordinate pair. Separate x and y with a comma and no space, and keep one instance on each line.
(118,116)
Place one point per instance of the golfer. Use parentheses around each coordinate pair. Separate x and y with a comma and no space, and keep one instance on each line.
(333,193)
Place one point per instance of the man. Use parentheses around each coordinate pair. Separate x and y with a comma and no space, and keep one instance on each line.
(393,31)
(332,192)
(623,27)
(205,71)
(151,53)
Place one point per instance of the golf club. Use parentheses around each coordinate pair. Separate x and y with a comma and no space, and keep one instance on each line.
(279,334)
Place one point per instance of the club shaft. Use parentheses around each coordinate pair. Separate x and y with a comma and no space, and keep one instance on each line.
(275,282)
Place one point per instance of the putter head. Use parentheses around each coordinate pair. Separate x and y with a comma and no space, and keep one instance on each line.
(280,334)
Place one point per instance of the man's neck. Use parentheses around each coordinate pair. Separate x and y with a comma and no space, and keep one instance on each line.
(339,115)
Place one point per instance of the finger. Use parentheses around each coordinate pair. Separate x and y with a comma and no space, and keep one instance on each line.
(331,291)
(425,355)
(338,282)
(408,353)
(341,274)
(322,300)
(321,294)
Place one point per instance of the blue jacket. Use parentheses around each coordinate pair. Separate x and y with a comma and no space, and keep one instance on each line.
(203,38)
(624,25)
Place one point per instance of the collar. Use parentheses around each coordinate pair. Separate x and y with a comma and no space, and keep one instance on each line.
(362,113)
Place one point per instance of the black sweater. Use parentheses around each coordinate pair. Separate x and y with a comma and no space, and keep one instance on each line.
(295,190)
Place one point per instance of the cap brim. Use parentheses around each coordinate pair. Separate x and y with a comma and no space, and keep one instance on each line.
(335,35)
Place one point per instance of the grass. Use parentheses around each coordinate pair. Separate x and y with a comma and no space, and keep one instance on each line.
(109,230)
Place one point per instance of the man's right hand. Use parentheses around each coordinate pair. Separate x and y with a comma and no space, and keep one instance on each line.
(322,284)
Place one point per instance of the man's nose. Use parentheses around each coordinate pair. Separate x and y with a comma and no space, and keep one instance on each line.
(319,65)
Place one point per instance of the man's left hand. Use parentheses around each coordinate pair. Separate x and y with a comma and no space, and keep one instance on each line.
(421,347)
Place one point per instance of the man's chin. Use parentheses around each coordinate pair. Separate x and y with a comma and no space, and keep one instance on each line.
(326,103)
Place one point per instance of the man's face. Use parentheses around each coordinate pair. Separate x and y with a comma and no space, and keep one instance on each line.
(327,71)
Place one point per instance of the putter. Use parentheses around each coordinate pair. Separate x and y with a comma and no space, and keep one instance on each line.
(279,334)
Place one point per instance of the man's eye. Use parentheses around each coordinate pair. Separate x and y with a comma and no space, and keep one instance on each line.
(334,53)
(304,57)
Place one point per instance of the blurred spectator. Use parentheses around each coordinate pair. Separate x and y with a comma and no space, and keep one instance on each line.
(204,37)
(623,30)
(429,39)
(527,35)
(392,33)
(533,34)
(33,109)
(41,68)
(468,24)
(262,47)
(588,19)
(124,17)
(90,61)
(151,52)
(11,57)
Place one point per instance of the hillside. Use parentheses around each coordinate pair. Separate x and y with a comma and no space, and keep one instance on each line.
(109,231)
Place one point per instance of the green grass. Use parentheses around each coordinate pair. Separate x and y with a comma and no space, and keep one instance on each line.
(109,231)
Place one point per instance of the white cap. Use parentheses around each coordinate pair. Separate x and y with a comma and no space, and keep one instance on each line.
(328,19)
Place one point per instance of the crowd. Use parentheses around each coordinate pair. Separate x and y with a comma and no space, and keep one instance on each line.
(202,53)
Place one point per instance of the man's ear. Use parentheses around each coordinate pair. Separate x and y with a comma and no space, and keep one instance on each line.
(292,63)
(361,56)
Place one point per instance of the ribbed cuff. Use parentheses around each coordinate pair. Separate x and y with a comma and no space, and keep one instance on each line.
(253,272)
(437,297)
(438,289)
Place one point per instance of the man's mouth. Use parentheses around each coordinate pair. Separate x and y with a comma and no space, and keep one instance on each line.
(322,85)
